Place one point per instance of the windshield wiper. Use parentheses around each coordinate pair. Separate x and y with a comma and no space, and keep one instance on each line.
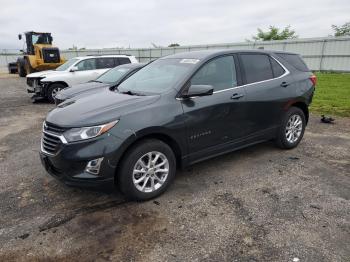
(129,92)
(96,81)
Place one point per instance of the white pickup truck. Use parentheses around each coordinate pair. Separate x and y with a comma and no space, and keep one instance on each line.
(77,70)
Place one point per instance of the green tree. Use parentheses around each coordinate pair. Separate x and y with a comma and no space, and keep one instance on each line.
(173,45)
(343,30)
(275,33)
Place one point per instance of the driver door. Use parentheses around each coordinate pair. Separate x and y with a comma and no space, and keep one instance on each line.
(214,121)
(87,70)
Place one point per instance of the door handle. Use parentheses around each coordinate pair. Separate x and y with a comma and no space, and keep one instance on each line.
(237,96)
(284,84)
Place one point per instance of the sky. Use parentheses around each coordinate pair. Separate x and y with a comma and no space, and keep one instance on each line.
(139,23)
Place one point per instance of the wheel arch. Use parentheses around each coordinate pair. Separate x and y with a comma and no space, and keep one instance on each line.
(165,138)
(303,106)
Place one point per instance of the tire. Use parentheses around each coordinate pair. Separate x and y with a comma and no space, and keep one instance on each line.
(52,91)
(127,175)
(294,120)
(28,68)
(20,68)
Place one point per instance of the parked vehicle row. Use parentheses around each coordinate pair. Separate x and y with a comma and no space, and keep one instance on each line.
(108,80)
(174,112)
(75,71)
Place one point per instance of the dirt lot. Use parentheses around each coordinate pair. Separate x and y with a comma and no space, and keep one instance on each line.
(257,204)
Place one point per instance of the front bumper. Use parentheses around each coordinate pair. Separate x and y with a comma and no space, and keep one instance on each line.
(35,86)
(69,164)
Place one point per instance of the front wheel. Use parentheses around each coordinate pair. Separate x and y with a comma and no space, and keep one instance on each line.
(20,68)
(146,170)
(292,129)
(53,90)
(28,68)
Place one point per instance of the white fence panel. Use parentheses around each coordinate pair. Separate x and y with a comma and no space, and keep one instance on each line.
(326,53)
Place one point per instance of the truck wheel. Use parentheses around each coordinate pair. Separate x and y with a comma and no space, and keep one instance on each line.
(20,68)
(28,67)
(53,90)
(292,129)
(146,170)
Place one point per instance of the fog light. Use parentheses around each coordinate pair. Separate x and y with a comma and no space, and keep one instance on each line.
(93,166)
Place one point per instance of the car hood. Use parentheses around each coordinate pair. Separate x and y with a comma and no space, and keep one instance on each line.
(45,73)
(75,90)
(100,108)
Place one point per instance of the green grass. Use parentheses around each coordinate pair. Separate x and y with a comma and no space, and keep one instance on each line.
(332,95)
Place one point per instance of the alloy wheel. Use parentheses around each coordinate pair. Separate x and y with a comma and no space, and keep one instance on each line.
(150,172)
(294,128)
(55,91)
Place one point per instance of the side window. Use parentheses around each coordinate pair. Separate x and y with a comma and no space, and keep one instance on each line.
(87,64)
(219,72)
(123,60)
(116,61)
(105,62)
(276,68)
(257,67)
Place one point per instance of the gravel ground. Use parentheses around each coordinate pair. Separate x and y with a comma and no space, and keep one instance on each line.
(257,204)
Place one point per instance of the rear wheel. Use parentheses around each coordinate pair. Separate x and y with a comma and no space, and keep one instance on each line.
(146,170)
(292,129)
(53,90)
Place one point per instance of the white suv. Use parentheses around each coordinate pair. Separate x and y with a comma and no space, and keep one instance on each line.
(77,70)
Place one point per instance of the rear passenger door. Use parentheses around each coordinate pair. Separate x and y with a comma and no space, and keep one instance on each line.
(266,83)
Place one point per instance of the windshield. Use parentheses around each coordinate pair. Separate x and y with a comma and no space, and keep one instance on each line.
(67,64)
(40,39)
(113,75)
(158,77)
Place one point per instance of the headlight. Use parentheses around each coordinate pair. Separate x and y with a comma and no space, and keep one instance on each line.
(82,133)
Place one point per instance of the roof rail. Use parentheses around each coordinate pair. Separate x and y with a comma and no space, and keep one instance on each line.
(107,54)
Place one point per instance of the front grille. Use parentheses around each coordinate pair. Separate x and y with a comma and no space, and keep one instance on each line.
(52,138)
(51,55)
(50,144)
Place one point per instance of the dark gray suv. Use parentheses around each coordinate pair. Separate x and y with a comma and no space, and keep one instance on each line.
(176,111)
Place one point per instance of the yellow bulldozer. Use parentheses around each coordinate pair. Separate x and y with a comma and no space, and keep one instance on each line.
(39,54)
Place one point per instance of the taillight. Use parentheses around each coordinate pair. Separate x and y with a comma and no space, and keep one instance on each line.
(313,79)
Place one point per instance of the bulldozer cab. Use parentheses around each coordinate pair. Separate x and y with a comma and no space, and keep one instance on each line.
(33,38)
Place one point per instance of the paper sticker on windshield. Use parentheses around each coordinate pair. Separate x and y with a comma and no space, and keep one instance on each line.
(189,61)
(122,70)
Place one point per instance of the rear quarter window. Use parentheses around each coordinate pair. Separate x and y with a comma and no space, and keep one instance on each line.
(123,60)
(277,69)
(295,60)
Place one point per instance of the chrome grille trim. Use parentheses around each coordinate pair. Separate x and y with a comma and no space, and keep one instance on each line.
(50,141)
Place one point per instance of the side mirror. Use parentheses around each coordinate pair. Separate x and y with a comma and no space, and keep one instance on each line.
(21,50)
(73,69)
(19,37)
(199,90)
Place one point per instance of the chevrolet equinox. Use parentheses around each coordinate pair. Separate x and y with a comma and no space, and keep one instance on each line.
(176,111)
